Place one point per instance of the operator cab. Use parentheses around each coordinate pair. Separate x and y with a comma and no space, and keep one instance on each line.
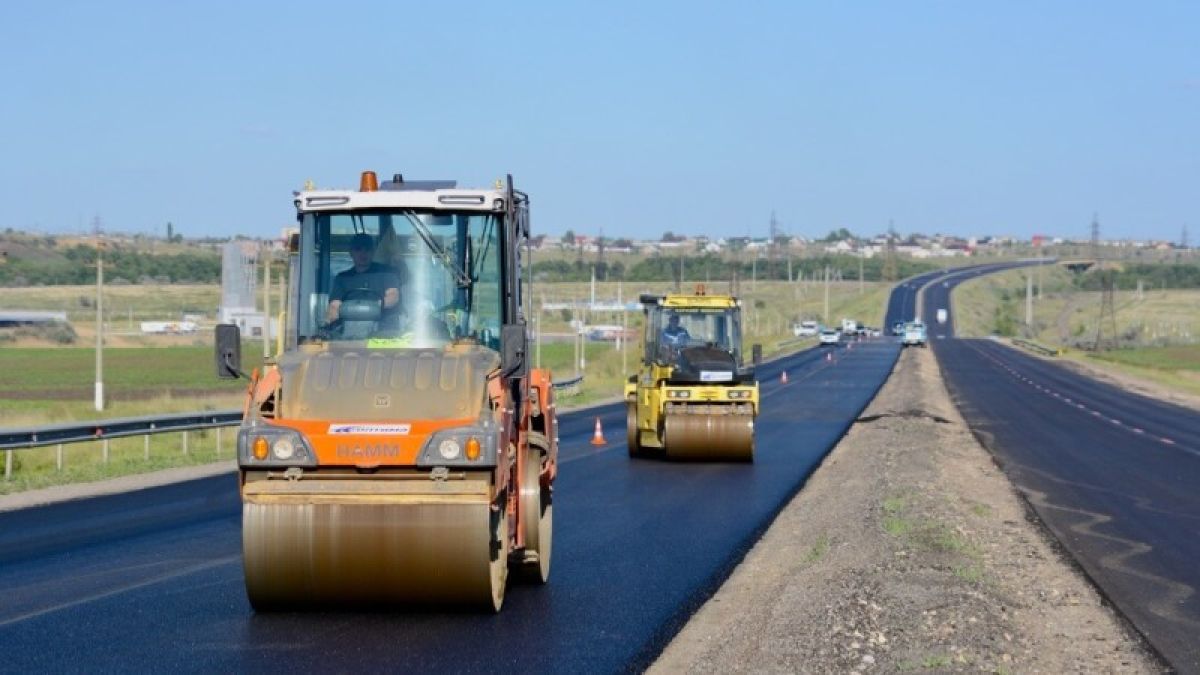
(431,278)
(700,343)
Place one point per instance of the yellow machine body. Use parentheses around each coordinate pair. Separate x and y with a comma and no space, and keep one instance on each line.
(692,399)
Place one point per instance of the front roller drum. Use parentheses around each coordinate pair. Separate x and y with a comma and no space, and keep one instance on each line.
(328,553)
(632,434)
(713,437)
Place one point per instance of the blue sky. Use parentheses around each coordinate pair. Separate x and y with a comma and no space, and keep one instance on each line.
(955,117)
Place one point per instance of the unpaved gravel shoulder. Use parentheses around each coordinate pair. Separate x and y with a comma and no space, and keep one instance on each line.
(908,550)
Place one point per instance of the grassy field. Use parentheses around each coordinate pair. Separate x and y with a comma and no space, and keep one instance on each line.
(995,304)
(1159,329)
(43,384)
(144,303)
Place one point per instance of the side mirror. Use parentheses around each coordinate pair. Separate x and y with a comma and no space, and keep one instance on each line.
(756,355)
(229,351)
(513,344)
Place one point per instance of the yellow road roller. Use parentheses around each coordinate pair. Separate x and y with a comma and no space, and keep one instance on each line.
(398,450)
(692,399)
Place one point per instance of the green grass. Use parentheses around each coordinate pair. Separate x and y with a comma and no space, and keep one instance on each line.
(894,522)
(127,371)
(981,510)
(937,661)
(142,303)
(818,550)
(930,535)
(972,573)
(1172,358)
(83,462)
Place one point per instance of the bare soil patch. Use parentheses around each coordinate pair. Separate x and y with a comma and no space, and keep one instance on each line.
(908,550)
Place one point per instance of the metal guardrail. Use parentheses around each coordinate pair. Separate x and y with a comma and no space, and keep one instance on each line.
(791,342)
(96,430)
(1035,347)
(570,386)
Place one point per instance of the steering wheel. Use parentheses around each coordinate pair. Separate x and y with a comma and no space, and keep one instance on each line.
(363,294)
(338,325)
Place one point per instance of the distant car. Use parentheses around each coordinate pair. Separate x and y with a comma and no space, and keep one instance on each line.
(915,335)
(874,332)
(829,337)
(806,329)
(898,328)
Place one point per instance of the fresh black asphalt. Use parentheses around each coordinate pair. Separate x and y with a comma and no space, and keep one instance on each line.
(152,580)
(1114,475)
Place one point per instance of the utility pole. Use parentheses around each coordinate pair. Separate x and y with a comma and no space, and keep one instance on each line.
(99,391)
(266,332)
(773,232)
(1039,276)
(889,261)
(1029,301)
(679,286)
(1108,312)
(575,326)
(861,256)
(624,339)
(826,295)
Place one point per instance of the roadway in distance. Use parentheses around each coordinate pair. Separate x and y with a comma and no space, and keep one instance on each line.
(1114,475)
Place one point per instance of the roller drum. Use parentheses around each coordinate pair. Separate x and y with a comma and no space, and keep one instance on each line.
(632,435)
(701,436)
(317,555)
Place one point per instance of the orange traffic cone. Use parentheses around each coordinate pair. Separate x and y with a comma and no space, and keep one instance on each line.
(598,436)
(783,377)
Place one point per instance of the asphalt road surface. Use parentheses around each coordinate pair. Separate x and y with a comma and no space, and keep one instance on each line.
(1114,475)
(152,580)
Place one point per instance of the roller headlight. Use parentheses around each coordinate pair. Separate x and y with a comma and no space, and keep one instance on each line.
(449,449)
(283,448)
(268,446)
(471,447)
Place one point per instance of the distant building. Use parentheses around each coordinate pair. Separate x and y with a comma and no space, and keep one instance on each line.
(239,285)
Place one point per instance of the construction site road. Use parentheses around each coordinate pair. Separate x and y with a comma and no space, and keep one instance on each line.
(152,580)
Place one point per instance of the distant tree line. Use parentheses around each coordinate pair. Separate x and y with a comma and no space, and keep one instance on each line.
(76,265)
(715,267)
(1163,275)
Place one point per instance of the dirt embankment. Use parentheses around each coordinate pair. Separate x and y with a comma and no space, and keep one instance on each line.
(908,550)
